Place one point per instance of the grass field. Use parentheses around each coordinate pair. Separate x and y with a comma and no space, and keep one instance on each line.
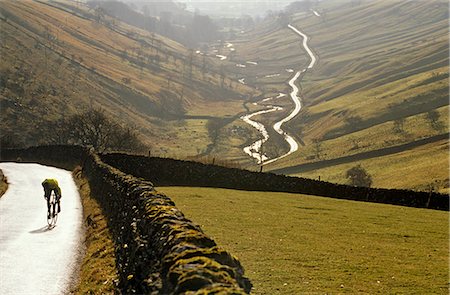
(299,244)
(420,169)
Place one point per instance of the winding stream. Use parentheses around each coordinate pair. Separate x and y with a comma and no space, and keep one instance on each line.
(254,150)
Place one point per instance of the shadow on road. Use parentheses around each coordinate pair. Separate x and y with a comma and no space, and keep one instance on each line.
(41,230)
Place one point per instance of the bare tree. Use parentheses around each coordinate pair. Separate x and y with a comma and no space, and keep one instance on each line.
(99,14)
(94,129)
(190,61)
(433,118)
(317,148)
(10,140)
(222,76)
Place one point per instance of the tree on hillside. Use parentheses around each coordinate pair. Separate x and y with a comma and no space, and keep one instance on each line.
(94,129)
(99,14)
(222,76)
(317,145)
(433,118)
(204,65)
(358,176)
(201,29)
(399,126)
(10,140)
(190,63)
(283,19)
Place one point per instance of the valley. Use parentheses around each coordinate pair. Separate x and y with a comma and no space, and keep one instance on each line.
(382,74)
(142,80)
(380,81)
(300,150)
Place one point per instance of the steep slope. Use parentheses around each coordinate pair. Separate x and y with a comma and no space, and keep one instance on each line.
(60,57)
(381,80)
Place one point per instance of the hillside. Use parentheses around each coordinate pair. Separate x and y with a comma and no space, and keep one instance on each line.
(381,81)
(61,58)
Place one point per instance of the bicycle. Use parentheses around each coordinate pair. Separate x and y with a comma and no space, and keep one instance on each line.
(52,211)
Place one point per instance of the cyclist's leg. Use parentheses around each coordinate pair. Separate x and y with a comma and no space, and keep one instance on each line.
(47,194)
(54,209)
(58,199)
(48,207)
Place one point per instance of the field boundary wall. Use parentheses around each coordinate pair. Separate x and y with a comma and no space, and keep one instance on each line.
(170,172)
(158,250)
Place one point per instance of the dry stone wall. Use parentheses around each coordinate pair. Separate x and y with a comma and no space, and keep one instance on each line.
(158,250)
(164,171)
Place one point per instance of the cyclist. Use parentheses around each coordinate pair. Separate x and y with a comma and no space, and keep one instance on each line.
(49,186)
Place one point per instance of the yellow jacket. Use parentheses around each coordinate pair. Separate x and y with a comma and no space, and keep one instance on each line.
(51,185)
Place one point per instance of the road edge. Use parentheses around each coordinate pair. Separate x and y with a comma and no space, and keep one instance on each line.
(97,272)
(3,183)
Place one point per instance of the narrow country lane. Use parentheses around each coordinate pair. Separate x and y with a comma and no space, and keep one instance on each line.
(33,259)
(254,150)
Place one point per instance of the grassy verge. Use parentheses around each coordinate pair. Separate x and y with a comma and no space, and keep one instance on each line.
(3,184)
(98,272)
(299,244)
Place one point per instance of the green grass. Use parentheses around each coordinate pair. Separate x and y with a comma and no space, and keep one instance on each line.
(416,169)
(181,132)
(299,244)
(372,138)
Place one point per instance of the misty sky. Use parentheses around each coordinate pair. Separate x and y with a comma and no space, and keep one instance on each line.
(236,7)
(228,7)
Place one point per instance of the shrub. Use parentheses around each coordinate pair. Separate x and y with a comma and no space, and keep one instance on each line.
(358,176)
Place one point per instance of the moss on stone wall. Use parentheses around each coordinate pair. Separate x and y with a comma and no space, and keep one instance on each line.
(157,249)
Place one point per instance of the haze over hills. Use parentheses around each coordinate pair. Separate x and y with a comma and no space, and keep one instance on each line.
(223,8)
(318,90)
(60,58)
(381,81)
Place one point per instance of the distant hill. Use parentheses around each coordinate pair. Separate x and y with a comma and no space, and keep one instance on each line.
(163,17)
(62,57)
(381,81)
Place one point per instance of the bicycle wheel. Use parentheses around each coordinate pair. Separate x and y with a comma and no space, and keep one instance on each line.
(50,216)
(55,213)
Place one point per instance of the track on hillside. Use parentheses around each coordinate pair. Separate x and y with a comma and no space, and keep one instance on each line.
(360,156)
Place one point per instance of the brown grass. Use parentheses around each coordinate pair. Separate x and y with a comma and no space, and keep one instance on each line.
(3,184)
(85,66)
(98,272)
